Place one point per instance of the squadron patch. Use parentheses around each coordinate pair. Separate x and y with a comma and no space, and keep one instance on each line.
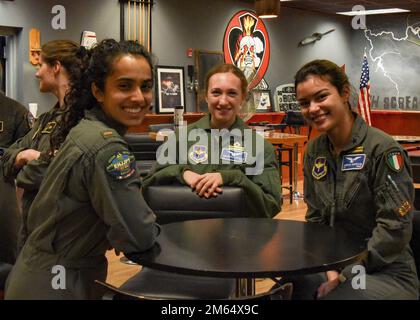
(49,127)
(199,154)
(395,161)
(353,162)
(121,165)
(320,168)
(234,153)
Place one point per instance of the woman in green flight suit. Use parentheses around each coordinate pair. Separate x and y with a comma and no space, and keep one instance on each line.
(358,178)
(90,198)
(221,150)
(28,158)
(15,122)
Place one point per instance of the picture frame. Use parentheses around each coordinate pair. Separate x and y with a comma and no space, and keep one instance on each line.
(204,61)
(170,88)
(262,100)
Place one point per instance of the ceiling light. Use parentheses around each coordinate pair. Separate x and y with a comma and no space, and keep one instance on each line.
(267,8)
(367,12)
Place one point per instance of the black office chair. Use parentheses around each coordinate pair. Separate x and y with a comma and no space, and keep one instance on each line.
(181,204)
(144,150)
(111,292)
(161,126)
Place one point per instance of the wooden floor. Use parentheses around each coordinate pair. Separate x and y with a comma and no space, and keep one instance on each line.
(119,272)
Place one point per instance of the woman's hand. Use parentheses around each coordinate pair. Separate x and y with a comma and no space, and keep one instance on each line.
(25,156)
(208,184)
(330,285)
(190,177)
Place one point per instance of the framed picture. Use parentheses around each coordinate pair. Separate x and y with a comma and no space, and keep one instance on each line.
(262,100)
(170,90)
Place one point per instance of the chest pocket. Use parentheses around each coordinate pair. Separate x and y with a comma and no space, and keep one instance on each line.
(354,189)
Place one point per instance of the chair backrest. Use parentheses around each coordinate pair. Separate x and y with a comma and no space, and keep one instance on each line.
(294,118)
(181,203)
(142,145)
(144,150)
(161,126)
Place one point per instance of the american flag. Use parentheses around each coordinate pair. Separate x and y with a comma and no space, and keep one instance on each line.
(364,95)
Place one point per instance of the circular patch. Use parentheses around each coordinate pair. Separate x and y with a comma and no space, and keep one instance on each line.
(121,165)
(395,161)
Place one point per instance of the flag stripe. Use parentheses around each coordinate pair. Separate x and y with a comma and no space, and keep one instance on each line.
(364,102)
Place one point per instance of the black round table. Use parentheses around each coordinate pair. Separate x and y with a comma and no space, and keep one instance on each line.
(251,248)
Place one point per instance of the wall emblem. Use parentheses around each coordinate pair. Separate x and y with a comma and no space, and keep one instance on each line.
(246,45)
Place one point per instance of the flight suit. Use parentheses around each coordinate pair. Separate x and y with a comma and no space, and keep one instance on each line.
(89,200)
(15,121)
(30,176)
(250,163)
(368,190)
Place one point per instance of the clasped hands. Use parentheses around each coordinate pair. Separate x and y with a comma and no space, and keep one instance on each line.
(205,185)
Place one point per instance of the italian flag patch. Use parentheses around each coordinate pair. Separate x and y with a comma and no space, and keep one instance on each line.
(395,161)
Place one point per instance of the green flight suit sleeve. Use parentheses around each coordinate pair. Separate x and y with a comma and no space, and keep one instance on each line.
(394,196)
(8,160)
(22,124)
(314,212)
(32,174)
(116,197)
(263,190)
(165,174)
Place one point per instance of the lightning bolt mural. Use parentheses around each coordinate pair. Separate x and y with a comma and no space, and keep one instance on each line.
(412,35)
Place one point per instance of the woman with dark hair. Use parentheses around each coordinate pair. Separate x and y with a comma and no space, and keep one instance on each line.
(90,198)
(358,178)
(28,158)
(224,151)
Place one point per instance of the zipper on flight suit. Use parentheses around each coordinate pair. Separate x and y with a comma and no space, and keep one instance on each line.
(333,205)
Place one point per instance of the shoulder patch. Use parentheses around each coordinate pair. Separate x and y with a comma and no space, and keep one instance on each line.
(395,160)
(107,133)
(49,127)
(320,168)
(198,154)
(1,126)
(121,165)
